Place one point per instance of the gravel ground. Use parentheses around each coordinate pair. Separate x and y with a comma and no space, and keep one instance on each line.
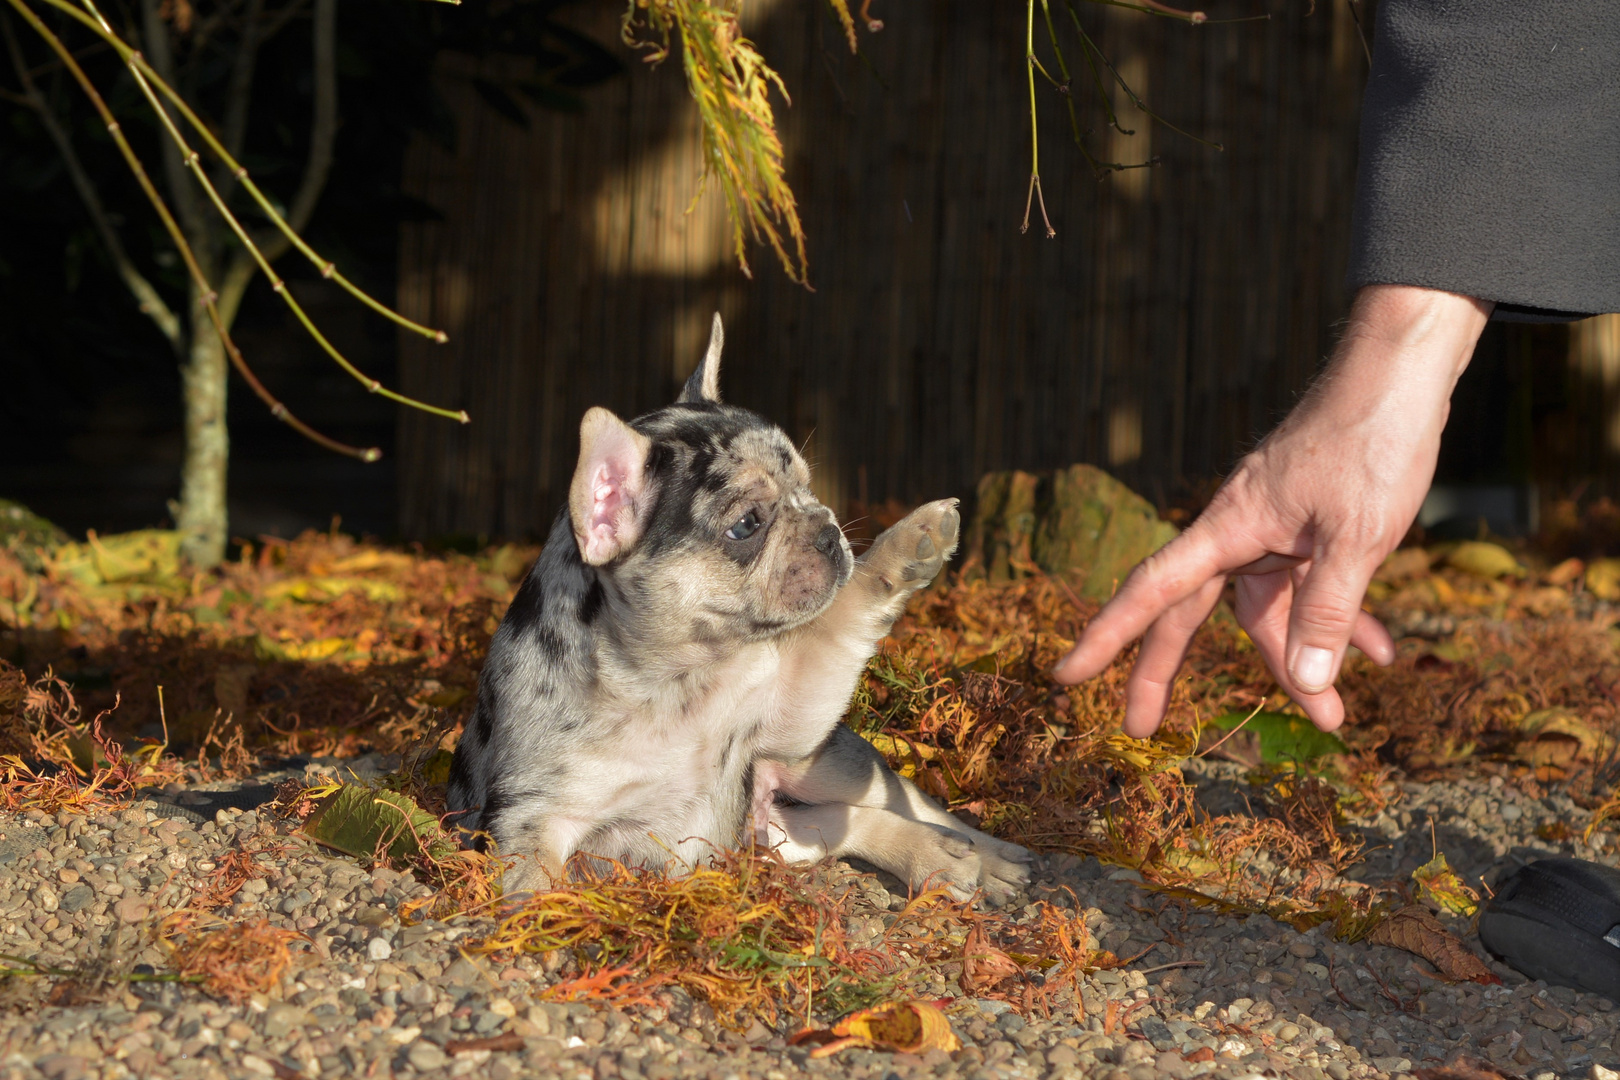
(371,998)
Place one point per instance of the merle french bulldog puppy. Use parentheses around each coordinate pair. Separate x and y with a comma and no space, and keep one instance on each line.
(671,675)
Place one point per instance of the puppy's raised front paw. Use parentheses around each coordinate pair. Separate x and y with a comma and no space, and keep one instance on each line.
(911,552)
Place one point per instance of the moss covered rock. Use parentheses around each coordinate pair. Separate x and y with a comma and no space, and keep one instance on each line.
(26,535)
(1079,523)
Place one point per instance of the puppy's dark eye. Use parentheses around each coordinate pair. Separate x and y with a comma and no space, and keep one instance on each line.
(744,527)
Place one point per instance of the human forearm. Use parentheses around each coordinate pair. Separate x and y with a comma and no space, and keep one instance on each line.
(1304,520)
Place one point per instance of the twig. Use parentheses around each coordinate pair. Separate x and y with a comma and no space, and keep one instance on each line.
(206,291)
(1034,132)
(1333,982)
(1222,741)
(1403,1006)
(1173,964)
(1142,105)
(144,71)
(146,296)
(145,78)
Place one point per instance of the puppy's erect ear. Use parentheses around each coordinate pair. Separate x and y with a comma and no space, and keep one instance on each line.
(608,497)
(704,383)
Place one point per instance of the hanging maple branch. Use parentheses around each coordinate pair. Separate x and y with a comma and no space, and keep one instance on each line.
(731,84)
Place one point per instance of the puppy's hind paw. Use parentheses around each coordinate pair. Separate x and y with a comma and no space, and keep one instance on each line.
(971,863)
(1001,879)
(911,553)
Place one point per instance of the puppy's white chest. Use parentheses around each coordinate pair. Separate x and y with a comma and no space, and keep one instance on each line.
(673,750)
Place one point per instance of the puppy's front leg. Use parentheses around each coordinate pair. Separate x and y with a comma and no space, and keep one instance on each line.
(821,661)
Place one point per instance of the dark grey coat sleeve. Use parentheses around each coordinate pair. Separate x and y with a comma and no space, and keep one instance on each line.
(1490,154)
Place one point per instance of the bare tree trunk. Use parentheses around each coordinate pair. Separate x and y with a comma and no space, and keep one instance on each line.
(202,513)
(202,518)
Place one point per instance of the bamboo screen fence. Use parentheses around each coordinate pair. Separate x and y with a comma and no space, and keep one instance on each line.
(1174,317)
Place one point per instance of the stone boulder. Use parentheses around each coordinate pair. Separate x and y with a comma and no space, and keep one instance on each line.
(1078,523)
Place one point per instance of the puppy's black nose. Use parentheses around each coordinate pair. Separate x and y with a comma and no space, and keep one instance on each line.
(827,542)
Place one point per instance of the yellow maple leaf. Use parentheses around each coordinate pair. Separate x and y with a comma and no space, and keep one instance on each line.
(1439,884)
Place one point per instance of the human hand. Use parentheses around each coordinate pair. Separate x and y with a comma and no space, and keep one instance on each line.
(1306,518)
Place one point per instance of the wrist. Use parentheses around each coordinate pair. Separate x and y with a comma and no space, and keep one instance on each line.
(1429,332)
(1399,360)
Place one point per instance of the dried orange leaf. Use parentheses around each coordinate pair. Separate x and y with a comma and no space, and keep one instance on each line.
(1415,930)
(984,965)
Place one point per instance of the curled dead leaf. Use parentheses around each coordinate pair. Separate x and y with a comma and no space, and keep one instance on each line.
(1418,932)
(983,965)
(1556,738)
(905,1027)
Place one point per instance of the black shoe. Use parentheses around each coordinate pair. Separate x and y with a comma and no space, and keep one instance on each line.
(1558,920)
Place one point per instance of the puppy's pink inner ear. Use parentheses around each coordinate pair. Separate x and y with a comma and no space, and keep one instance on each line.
(609,487)
(610,525)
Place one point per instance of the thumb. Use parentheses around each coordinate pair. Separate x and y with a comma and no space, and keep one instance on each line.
(1325,611)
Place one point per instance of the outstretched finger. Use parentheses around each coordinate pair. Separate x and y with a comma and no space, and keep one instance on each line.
(1326,610)
(1371,638)
(1147,695)
(1264,603)
(1174,573)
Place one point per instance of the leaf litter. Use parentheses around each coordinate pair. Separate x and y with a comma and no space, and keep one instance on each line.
(325,645)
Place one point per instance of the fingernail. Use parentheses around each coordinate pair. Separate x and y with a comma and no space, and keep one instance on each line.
(1313,669)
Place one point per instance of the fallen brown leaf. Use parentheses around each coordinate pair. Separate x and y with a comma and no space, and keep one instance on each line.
(1418,932)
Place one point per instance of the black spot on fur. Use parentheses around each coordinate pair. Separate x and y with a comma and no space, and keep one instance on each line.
(590,605)
(530,602)
(476,735)
(550,643)
(496,803)
(699,468)
(657,460)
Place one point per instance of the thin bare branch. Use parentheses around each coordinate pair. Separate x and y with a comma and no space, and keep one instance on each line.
(144,79)
(1066,88)
(1142,105)
(146,296)
(159,47)
(205,290)
(1034,131)
(323,127)
(144,71)
(240,94)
